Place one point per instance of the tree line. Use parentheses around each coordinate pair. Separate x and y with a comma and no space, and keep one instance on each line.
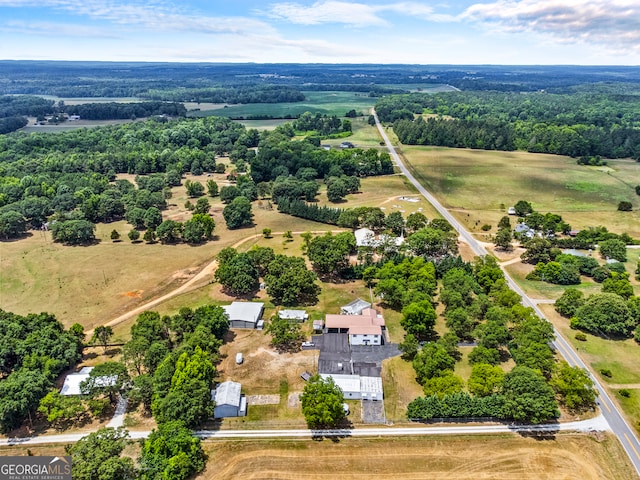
(577,124)
(34,350)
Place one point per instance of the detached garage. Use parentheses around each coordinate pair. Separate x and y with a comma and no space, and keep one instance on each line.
(245,314)
(229,400)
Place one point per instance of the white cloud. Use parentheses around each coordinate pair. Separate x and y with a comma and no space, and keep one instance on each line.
(613,23)
(152,15)
(49,29)
(351,13)
(357,14)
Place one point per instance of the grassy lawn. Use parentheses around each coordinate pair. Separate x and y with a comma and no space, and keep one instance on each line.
(542,290)
(621,357)
(329,103)
(566,456)
(400,388)
(476,184)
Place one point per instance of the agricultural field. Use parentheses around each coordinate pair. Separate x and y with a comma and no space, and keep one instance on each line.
(329,103)
(566,456)
(479,185)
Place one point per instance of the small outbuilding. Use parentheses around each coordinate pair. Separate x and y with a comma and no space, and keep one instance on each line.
(244,314)
(355,308)
(229,400)
(355,387)
(293,315)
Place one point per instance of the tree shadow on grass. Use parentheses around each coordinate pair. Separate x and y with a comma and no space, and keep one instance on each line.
(341,431)
(547,431)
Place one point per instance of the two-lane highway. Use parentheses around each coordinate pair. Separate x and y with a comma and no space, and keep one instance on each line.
(610,410)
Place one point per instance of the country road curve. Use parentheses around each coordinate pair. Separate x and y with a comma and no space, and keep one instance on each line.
(610,410)
(596,424)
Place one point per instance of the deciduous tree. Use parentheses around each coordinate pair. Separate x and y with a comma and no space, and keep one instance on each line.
(322,402)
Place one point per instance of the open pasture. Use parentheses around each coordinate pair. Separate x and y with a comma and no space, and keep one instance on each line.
(329,103)
(479,185)
(566,456)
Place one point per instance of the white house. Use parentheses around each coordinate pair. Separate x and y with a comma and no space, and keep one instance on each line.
(365,237)
(72,382)
(245,314)
(355,387)
(229,400)
(364,329)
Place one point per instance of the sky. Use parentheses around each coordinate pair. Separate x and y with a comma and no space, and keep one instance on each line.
(509,32)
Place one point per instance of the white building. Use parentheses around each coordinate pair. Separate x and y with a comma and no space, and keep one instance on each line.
(72,382)
(355,387)
(229,400)
(355,308)
(364,329)
(245,314)
(293,315)
(365,237)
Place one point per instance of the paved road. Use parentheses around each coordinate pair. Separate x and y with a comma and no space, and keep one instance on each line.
(591,425)
(610,410)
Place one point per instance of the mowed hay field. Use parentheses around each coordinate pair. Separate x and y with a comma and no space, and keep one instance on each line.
(508,457)
(96,283)
(476,183)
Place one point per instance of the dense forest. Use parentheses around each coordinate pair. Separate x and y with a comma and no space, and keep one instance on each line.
(579,124)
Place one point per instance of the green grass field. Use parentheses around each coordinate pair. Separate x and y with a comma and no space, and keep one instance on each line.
(476,184)
(329,103)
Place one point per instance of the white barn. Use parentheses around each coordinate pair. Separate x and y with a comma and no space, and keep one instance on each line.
(244,314)
(229,400)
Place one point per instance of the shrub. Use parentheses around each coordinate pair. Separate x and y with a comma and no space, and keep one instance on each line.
(581,337)
(625,206)
(606,372)
(486,227)
(624,393)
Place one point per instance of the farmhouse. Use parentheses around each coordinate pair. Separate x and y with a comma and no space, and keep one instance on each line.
(293,315)
(229,400)
(355,308)
(72,382)
(364,329)
(367,238)
(355,387)
(245,314)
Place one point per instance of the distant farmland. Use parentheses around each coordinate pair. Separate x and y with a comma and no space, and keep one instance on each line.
(329,103)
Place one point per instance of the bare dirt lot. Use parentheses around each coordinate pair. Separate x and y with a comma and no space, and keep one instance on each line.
(579,457)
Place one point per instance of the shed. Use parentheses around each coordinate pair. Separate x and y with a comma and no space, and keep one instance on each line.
(355,308)
(293,315)
(229,400)
(244,314)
